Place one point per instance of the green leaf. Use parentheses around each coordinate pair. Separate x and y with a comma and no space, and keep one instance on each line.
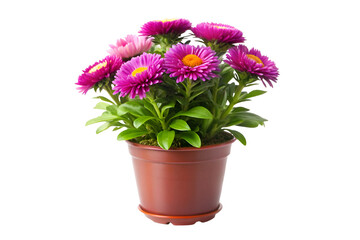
(191,137)
(103,127)
(179,124)
(248,123)
(131,133)
(239,109)
(238,136)
(254,93)
(102,118)
(101,105)
(134,107)
(104,99)
(196,112)
(167,106)
(247,116)
(141,120)
(165,139)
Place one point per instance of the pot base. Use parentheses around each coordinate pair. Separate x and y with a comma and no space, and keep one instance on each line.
(181,220)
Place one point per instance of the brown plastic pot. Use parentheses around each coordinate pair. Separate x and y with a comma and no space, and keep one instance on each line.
(180,186)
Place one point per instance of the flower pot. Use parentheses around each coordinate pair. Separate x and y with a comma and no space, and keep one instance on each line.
(180,186)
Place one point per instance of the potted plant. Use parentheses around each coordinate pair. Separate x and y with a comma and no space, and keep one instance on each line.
(176,104)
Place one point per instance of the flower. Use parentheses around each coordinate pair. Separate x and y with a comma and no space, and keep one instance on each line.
(218,32)
(137,75)
(131,46)
(174,26)
(97,72)
(187,61)
(240,58)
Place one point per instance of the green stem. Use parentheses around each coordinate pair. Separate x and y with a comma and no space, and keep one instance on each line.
(233,102)
(157,110)
(111,93)
(227,111)
(187,94)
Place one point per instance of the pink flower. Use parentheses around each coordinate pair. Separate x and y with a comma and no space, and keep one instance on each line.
(137,75)
(252,61)
(221,33)
(97,72)
(131,46)
(167,26)
(186,61)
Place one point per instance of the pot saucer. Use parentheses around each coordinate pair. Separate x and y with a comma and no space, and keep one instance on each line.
(181,220)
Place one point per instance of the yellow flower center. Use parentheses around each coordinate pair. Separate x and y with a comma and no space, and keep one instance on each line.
(255,58)
(221,27)
(192,60)
(167,20)
(138,70)
(97,67)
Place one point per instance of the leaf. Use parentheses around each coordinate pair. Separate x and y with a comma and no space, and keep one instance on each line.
(248,123)
(247,116)
(131,133)
(101,105)
(103,127)
(191,137)
(254,93)
(167,106)
(102,118)
(134,107)
(239,109)
(238,136)
(141,120)
(165,139)
(196,112)
(150,107)
(104,99)
(179,124)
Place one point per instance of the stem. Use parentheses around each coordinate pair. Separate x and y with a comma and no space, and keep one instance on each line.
(157,110)
(111,93)
(233,102)
(187,94)
(229,108)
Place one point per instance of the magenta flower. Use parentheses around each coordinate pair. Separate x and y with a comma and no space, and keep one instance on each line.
(241,59)
(137,75)
(130,46)
(174,26)
(187,61)
(221,33)
(98,71)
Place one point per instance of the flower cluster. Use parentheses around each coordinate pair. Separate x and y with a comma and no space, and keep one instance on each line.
(160,77)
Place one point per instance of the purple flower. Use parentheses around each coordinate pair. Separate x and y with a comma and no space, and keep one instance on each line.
(97,72)
(137,75)
(174,26)
(186,61)
(221,33)
(241,59)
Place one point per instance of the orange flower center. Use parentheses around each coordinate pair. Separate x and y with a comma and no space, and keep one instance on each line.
(255,58)
(138,70)
(192,60)
(97,67)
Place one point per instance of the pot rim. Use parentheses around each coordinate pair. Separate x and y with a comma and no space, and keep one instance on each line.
(183,149)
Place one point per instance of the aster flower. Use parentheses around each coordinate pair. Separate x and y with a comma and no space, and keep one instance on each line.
(221,33)
(241,59)
(167,26)
(137,75)
(130,46)
(187,61)
(97,72)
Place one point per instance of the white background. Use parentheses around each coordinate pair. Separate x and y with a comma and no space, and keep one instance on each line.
(298,178)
